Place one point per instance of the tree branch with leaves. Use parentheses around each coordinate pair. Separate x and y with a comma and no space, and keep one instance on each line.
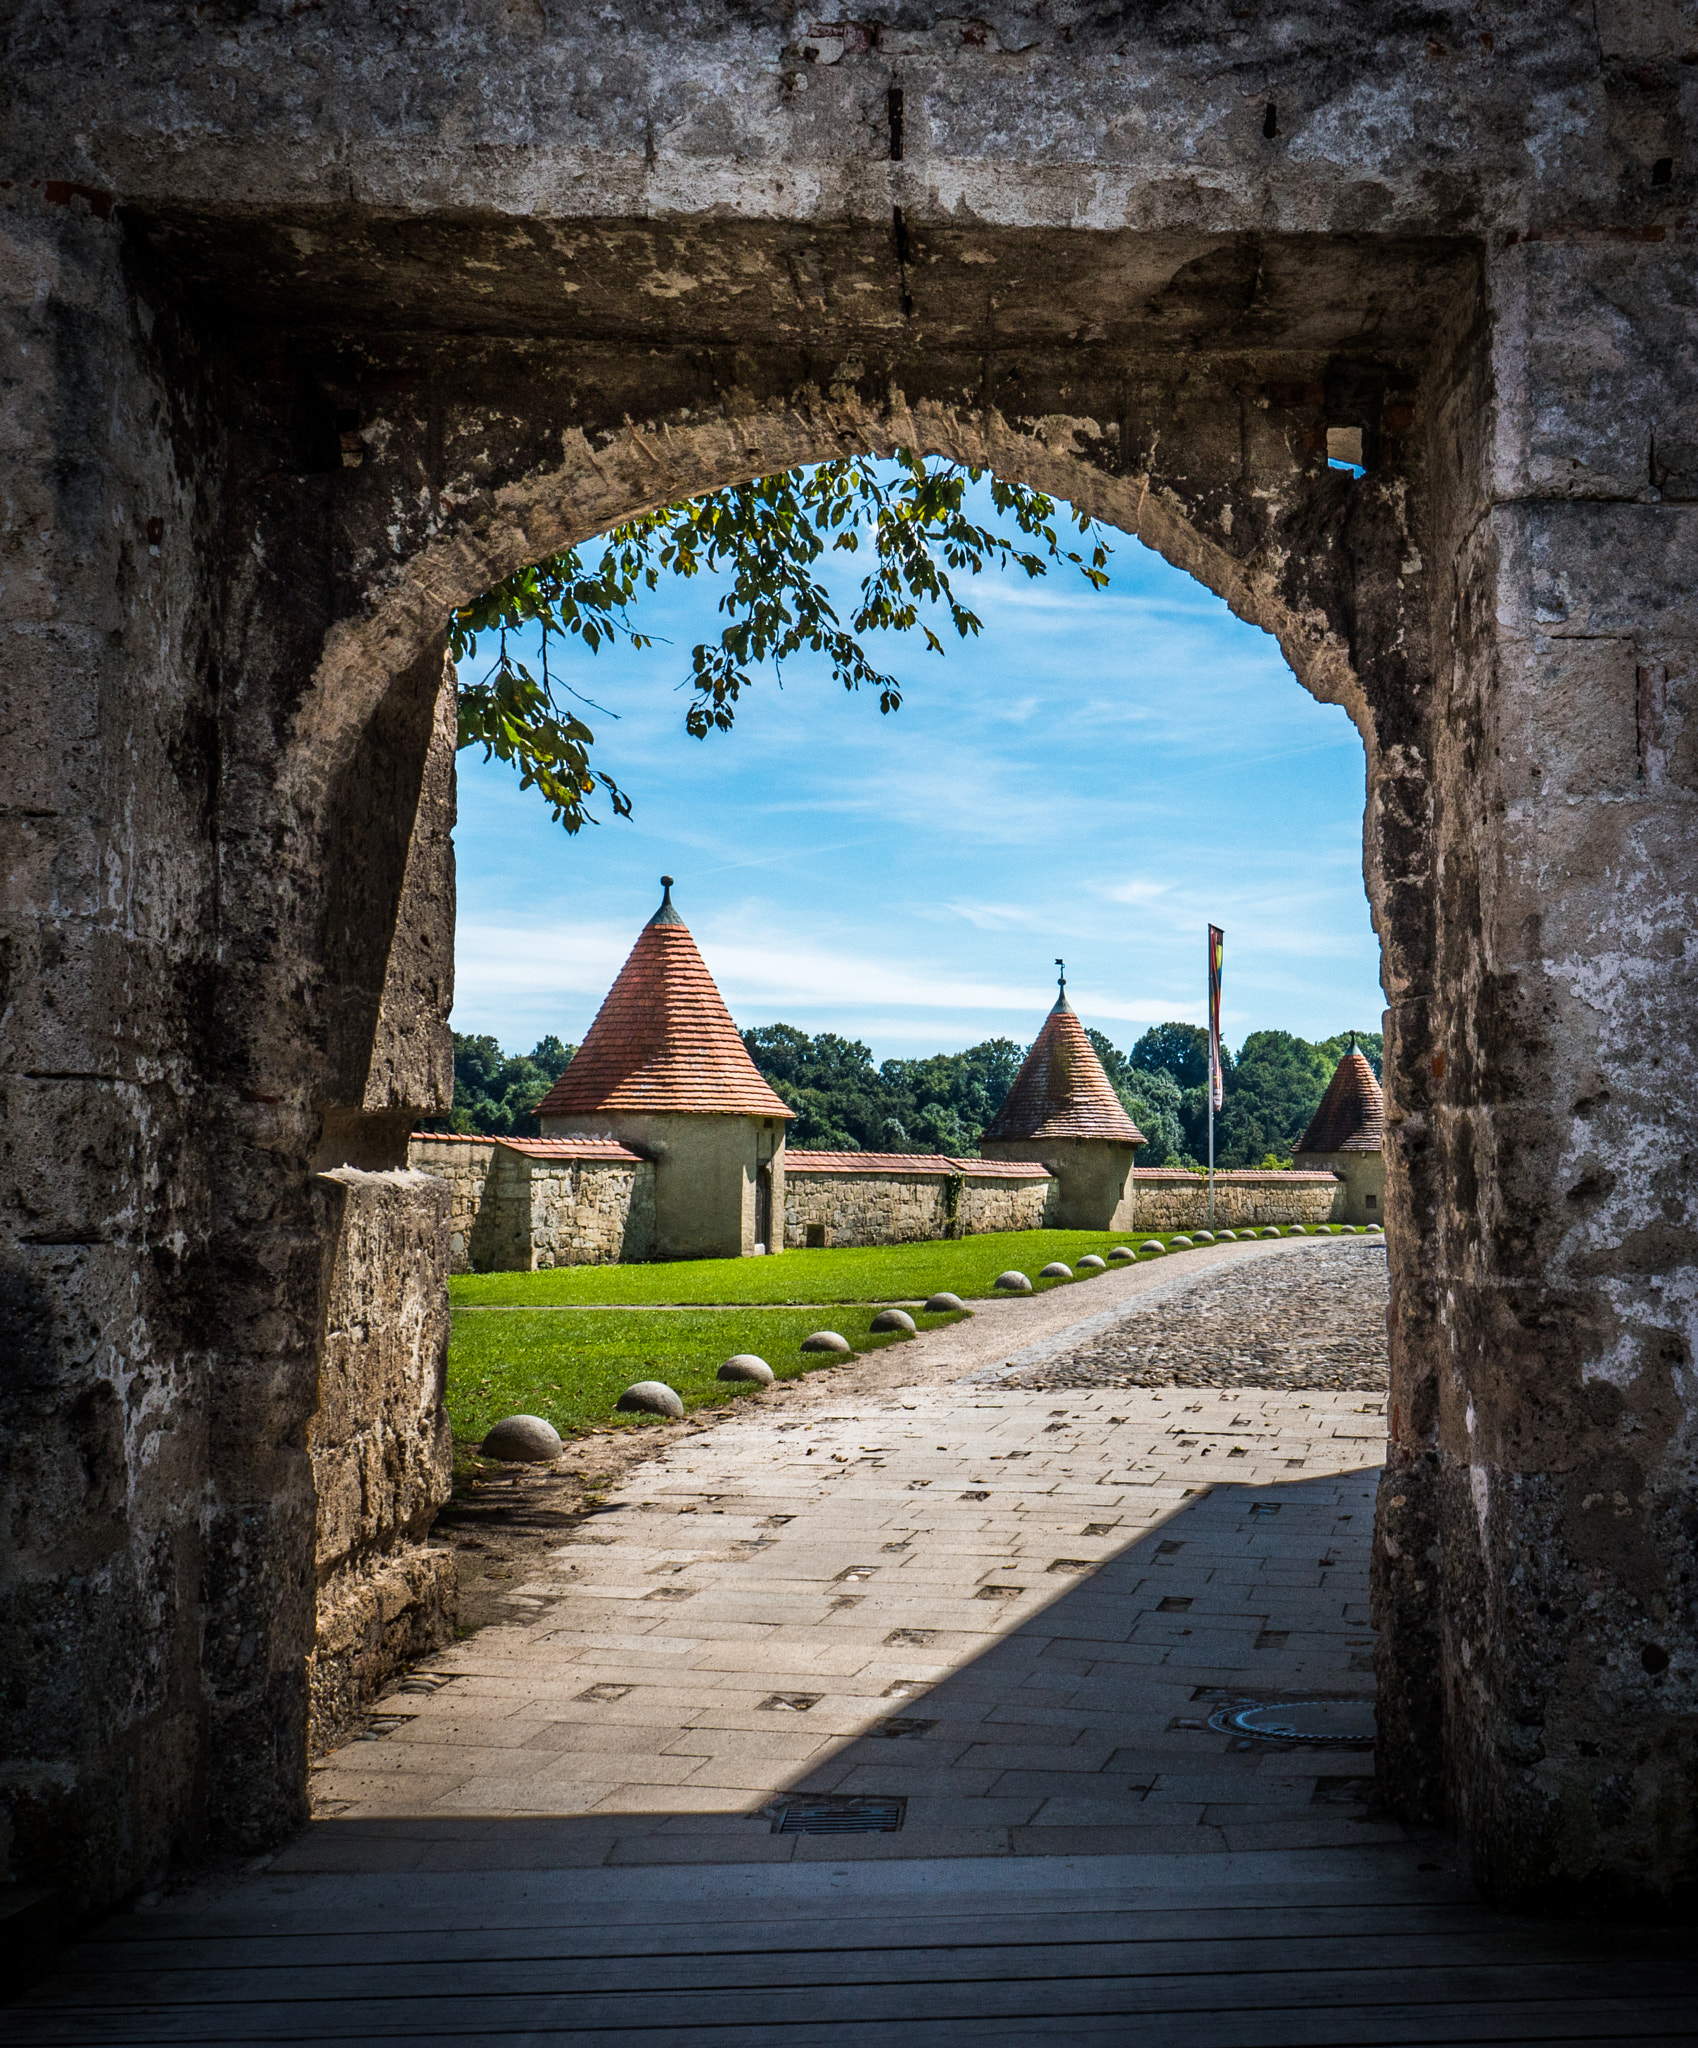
(770,538)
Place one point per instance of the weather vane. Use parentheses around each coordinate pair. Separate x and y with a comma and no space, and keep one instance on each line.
(1062,977)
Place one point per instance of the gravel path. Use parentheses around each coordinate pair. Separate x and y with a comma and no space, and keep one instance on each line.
(1314,1323)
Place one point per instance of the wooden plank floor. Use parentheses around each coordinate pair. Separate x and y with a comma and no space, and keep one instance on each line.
(1256,1952)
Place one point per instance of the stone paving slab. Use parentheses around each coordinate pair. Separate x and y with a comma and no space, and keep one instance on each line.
(1010,1632)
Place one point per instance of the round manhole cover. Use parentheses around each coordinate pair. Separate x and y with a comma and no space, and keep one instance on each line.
(1327,1723)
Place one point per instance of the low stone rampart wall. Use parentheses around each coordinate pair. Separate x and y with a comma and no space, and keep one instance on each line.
(588,1212)
(894,1198)
(1173,1199)
(523,1204)
(464,1164)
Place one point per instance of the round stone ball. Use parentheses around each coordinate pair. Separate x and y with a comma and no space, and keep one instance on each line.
(1123,1252)
(893,1319)
(1012,1282)
(1181,1242)
(522,1440)
(1151,1245)
(1057,1269)
(1090,1263)
(746,1366)
(649,1397)
(1226,1237)
(1202,1237)
(828,1340)
(1376,1227)
(1271,1231)
(945,1304)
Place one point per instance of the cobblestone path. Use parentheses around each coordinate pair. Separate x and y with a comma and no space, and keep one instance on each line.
(1310,1324)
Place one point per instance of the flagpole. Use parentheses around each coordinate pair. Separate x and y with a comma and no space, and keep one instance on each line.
(1217,945)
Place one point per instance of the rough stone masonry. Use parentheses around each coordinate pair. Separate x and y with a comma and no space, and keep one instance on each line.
(319,320)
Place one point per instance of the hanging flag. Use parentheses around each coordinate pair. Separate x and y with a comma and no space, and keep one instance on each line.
(1217,952)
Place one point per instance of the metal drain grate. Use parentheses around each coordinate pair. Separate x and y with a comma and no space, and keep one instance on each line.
(840,1817)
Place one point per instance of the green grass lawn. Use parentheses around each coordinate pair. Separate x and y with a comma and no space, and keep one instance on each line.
(572,1368)
(897,1272)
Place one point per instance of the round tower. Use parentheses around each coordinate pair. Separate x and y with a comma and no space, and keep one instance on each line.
(1063,1111)
(663,1071)
(1347,1133)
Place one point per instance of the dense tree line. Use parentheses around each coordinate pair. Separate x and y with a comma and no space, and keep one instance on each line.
(495,1092)
(844,1102)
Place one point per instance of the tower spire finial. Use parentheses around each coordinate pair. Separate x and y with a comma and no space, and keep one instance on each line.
(1062,979)
(666,914)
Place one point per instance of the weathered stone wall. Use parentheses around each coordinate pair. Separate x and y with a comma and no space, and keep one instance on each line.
(884,1207)
(380,1442)
(1164,1199)
(311,345)
(464,1165)
(584,1212)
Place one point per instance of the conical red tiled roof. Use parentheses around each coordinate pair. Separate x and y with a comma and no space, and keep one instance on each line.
(663,1040)
(1061,1091)
(1351,1116)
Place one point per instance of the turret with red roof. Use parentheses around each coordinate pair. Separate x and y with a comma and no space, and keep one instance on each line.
(663,1071)
(1063,1111)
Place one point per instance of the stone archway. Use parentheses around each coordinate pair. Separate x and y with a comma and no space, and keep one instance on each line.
(280,422)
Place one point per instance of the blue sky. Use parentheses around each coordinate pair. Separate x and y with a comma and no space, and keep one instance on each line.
(1097,775)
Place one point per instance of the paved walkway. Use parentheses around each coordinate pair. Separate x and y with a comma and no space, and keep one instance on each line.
(1011,1613)
(1018,1621)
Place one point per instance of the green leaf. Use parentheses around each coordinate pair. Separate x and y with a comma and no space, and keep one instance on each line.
(768,537)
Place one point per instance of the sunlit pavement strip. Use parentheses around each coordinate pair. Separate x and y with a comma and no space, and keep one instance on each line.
(1015,1611)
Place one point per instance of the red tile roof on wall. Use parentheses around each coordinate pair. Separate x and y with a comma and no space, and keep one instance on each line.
(1061,1091)
(569,1148)
(536,1148)
(663,1041)
(1352,1113)
(1182,1176)
(913,1162)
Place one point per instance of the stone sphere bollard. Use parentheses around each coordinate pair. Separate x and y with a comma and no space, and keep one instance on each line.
(1151,1247)
(1374,1228)
(1226,1237)
(1012,1282)
(1272,1230)
(650,1397)
(1057,1269)
(893,1319)
(1090,1263)
(746,1366)
(1295,1230)
(1123,1252)
(828,1340)
(945,1304)
(1179,1243)
(522,1440)
(1202,1237)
